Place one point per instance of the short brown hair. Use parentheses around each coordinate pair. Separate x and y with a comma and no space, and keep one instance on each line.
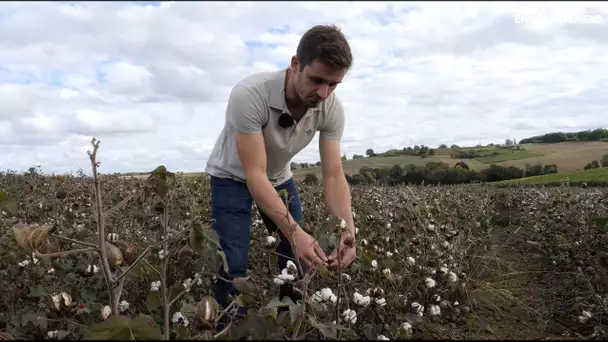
(326,44)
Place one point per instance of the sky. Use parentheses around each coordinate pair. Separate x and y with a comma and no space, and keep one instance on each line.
(151,79)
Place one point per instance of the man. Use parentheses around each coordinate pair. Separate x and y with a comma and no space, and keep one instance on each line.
(270,117)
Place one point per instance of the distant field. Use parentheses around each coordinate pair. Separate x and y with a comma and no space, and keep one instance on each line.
(593,175)
(568,156)
(507,155)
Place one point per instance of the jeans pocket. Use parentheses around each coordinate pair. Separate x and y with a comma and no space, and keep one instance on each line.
(229,195)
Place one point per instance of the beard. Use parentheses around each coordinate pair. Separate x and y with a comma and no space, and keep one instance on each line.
(313,101)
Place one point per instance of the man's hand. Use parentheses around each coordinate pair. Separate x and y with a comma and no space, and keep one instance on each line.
(348,253)
(307,249)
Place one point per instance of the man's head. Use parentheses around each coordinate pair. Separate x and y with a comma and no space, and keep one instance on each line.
(321,61)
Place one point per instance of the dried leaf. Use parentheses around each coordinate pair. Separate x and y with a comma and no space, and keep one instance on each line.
(160,180)
(245,285)
(21,233)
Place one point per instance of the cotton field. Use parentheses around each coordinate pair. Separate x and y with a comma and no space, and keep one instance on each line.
(455,262)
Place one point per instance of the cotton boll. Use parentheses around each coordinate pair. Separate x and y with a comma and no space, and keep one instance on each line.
(411,261)
(418,308)
(270,240)
(361,300)
(333,298)
(317,297)
(407,327)
(326,293)
(349,316)
(380,301)
(434,310)
(291,266)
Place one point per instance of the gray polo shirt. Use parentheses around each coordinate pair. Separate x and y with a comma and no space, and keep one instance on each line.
(254,106)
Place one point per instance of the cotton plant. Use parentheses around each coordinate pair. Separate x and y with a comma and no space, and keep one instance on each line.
(418,308)
(30,259)
(106,311)
(387,273)
(361,300)
(376,295)
(270,241)
(288,274)
(155,286)
(324,295)
(411,261)
(584,317)
(434,310)
(179,318)
(349,316)
(92,269)
(187,283)
(123,306)
(406,327)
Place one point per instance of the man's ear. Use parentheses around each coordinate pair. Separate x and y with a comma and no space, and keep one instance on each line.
(295,64)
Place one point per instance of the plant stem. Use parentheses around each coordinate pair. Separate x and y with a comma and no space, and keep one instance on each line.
(62,253)
(164,266)
(88,244)
(101,231)
(339,284)
(145,252)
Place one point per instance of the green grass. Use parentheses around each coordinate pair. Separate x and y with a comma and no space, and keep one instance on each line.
(506,155)
(593,175)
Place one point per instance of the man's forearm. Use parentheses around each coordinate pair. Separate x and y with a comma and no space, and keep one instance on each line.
(337,196)
(266,197)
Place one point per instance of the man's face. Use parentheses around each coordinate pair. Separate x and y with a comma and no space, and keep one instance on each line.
(316,82)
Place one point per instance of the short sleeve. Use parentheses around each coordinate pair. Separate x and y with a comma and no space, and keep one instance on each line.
(244,110)
(333,126)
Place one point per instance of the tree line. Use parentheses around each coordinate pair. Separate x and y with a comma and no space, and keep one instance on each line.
(596,164)
(440,173)
(599,134)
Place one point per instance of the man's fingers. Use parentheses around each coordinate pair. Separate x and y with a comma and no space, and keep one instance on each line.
(306,260)
(319,251)
(333,256)
(315,259)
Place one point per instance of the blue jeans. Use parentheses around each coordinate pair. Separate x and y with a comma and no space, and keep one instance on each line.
(231,209)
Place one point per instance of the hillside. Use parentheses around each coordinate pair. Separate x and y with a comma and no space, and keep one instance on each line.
(568,156)
(593,176)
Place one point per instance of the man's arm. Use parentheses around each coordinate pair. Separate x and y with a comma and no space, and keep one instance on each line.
(336,189)
(252,153)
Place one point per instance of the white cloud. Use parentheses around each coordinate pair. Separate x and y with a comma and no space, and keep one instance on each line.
(152,81)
